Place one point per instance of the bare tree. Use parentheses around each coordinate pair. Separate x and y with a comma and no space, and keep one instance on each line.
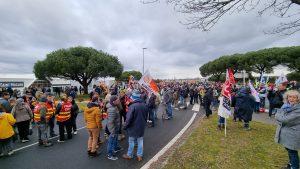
(204,14)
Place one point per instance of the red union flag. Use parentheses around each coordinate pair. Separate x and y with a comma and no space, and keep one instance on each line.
(230,76)
(226,89)
(225,99)
(148,83)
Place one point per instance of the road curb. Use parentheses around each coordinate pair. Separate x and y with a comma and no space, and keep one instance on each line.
(170,144)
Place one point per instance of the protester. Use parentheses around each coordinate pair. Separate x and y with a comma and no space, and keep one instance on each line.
(123,99)
(92,118)
(23,115)
(207,100)
(151,106)
(4,101)
(51,109)
(113,124)
(136,120)
(288,130)
(7,132)
(275,98)
(245,106)
(63,118)
(167,100)
(74,113)
(41,118)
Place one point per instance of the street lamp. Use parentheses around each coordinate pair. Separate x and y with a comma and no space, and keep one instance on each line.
(144,59)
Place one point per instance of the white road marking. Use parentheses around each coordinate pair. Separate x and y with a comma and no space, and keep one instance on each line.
(196,107)
(162,151)
(21,148)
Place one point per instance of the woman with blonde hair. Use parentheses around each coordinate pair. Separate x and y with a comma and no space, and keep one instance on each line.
(288,130)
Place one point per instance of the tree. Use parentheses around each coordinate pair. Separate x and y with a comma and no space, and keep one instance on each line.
(204,14)
(261,61)
(125,75)
(81,64)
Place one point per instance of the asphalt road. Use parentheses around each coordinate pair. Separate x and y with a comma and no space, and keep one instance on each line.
(72,153)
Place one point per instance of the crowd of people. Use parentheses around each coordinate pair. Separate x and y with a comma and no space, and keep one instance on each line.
(129,110)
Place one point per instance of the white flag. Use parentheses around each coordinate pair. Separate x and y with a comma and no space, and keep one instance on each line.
(254,92)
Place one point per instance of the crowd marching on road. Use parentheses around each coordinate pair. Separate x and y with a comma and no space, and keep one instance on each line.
(128,111)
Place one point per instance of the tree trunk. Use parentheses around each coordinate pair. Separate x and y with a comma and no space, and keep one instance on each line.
(85,88)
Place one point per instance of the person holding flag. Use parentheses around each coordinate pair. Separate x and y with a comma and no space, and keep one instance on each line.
(224,110)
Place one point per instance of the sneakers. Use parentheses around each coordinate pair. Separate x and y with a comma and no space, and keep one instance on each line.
(118,150)
(94,154)
(75,133)
(288,166)
(53,135)
(1,155)
(112,158)
(60,141)
(24,140)
(139,158)
(125,156)
(48,144)
(10,153)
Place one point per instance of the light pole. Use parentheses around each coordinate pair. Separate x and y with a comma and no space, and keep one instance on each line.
(144,59)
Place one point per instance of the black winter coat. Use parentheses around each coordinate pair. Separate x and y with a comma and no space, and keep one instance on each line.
(245,104)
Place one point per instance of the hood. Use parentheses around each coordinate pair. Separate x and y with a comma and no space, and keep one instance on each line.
(243,92)
(92,104)
(20,103)
(90,110)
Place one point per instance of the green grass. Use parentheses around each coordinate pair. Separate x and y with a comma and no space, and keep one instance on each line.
(207,147)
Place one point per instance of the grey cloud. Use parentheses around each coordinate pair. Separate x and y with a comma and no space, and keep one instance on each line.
(31,29)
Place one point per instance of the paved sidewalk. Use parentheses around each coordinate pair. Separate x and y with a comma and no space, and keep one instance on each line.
(264,118)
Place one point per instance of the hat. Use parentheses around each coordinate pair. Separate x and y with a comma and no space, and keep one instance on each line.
(43,99)
(112,99)
(49,94)
(135,95)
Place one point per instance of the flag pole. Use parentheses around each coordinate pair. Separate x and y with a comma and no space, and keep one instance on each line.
(225,126)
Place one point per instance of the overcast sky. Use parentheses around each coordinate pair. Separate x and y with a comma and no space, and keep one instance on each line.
(30,29)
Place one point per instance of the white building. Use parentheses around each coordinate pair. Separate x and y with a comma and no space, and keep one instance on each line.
(21,81)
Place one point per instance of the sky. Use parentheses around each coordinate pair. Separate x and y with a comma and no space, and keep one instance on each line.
(30,29)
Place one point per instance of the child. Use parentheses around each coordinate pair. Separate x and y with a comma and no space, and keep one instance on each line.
(7,133)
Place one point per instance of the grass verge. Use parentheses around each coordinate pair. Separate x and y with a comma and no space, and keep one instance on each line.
(207,147)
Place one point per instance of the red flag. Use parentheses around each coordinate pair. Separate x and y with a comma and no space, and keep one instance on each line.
(230,76)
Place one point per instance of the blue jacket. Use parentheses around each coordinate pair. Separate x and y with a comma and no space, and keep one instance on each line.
(136,119)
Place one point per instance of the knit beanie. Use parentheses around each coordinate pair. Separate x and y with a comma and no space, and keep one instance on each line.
(112,99)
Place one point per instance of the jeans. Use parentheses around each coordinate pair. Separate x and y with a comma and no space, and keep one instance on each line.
(262,102)
(191,99)
(221,120)
(294,158)
(155,110)
(42,132)
(181,99)
(169,109)
(6,145)
(256,106)
(151,116)
(112,144)
(140,149)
